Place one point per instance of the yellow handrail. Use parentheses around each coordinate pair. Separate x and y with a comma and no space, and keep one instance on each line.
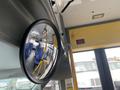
(42,56)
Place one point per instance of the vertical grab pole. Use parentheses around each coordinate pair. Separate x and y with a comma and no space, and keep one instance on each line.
(104,71)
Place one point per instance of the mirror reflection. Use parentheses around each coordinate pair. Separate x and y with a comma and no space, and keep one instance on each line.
(40,50)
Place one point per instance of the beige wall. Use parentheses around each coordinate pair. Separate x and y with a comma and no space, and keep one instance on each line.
(96,36)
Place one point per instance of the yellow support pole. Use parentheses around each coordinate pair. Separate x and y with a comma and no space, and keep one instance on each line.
(72,67)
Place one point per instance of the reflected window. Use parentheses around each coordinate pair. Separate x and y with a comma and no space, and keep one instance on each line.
(87,71)
(4,84)
(52,85)
(18,84)
(23,83)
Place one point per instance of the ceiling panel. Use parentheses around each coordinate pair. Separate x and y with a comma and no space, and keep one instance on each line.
(81,12)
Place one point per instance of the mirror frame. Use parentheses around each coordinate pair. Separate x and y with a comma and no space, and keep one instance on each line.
(21,53)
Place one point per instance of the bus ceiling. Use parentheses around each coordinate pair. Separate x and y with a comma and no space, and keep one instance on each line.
(85,12)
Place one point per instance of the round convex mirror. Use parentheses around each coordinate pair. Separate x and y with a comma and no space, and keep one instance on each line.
(39,50)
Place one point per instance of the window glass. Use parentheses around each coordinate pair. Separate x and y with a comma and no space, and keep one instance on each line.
(113,57)
(87,71)
(52,85)
(18,84)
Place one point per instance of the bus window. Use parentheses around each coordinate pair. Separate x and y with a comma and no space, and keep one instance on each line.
(87,71)
(52,85)
(113,57)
